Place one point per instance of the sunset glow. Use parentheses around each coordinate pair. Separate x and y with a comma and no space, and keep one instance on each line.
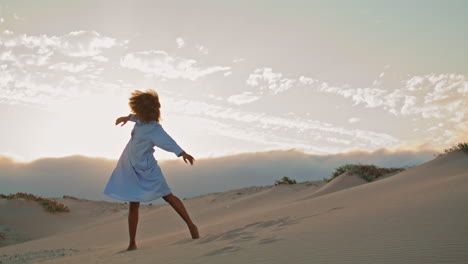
(233,77)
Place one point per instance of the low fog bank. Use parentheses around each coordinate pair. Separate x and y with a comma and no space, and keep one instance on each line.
(86,177)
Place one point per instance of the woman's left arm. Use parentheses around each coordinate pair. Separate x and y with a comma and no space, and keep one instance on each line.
(162,140)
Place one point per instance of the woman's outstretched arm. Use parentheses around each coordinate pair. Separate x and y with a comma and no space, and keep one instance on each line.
(188,157)
(162,140)
(125,119)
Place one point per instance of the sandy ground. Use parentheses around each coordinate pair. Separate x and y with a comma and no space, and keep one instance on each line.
(416,216)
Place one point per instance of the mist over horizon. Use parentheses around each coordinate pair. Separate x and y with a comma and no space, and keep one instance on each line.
(85,177)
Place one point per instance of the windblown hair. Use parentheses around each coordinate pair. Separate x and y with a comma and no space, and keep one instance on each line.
(145,105)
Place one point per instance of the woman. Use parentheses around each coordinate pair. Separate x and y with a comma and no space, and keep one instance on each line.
(137,176)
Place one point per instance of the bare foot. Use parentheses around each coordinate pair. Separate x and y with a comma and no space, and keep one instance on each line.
(194,231)
(132,247)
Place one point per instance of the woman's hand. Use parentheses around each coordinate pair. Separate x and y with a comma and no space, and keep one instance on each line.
(188,157)
(123,119)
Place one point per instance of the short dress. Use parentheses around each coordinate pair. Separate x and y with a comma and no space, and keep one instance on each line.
(137,176)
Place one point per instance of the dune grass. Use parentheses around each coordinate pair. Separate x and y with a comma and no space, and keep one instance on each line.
(285,180)
(48,204)
(460,146)
(367,172)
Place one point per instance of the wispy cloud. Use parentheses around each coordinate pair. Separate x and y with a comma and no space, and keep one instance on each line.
(244,98)
(292,131)
(434,97)
(438,96)
(267,80)
(63,66)
(160,64)
(263,81)
(85,43)
(34,71)
(73,44)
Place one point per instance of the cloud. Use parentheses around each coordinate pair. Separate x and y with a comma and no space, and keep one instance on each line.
(267,80)
(264,81)
(160,64)
(243,98)
(22,60)
(100,58)
(202,49)
(63,66)
(353,120)
(306,80)
(35,71)
(180,42)
(282,130)
(73,44)
(238,60)
(48,85)
(36,87)
(85,43)
(434,97)
(437,96)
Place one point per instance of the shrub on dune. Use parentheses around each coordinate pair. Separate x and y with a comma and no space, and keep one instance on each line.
(285,180)
(460,146)
(48,204)
(367,172)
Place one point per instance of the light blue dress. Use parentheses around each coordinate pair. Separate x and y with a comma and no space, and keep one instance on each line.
(137,176)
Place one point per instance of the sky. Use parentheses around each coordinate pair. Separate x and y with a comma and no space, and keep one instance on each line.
(239,76)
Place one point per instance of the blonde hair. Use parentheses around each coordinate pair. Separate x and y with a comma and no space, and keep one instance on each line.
(146,105)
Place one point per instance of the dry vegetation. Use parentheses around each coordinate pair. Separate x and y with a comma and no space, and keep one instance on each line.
(50,205)
(285,180)
(367,172)
(460,146)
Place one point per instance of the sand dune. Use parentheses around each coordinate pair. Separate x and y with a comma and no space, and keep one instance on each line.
(416,216)
(344,181)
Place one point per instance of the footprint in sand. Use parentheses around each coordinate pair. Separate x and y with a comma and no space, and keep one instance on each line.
(245,234)
(182,241)
(227,249)
(269,240)
(36,256)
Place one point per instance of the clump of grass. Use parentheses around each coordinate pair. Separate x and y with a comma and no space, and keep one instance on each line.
(69,197)
(285,180)
(460,146)
(367,172)
(50,205)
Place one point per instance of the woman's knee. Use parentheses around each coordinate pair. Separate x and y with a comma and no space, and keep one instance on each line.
(134,206)
(168,198)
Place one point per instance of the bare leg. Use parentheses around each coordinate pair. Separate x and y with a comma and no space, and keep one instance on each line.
(132,224)
(179,207)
